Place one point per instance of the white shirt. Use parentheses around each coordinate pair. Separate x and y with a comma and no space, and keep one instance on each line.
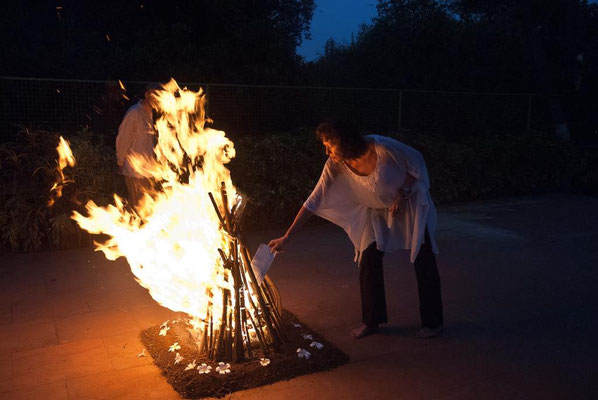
(359,204)
(135,136)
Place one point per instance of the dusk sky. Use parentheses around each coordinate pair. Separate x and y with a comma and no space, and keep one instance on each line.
(336,19)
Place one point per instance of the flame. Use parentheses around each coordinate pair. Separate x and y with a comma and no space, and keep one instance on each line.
(65,158)
(172,239)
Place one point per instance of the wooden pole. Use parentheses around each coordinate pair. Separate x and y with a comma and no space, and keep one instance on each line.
(211,336)
(260,298)
(256,326)
(262,291)
(227,217)
(216,208)
(243,306)
(203,341)
(247,337)
(229,338)
(258,332)
(220,350)
(238,337)
(277,317)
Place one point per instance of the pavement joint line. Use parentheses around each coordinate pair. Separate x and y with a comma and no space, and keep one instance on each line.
(55,328)
(108,372)
(68,395)
(107,354)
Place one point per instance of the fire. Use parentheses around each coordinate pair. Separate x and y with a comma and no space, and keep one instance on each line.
(179,247)
(65,158)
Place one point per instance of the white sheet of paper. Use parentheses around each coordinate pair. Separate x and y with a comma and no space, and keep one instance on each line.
(261,262)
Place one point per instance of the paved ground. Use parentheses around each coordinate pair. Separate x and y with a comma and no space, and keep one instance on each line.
(519,285)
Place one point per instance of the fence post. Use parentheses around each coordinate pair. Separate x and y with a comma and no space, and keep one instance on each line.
(529,112)
(400,116)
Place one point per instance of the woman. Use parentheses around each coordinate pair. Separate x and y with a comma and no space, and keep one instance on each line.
(377,189)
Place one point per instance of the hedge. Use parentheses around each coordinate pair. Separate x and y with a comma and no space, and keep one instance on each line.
(277,172)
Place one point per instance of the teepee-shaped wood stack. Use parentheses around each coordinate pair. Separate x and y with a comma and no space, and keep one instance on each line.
(250,322)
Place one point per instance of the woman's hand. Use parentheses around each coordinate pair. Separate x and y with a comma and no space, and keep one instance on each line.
(397,205)
(402,196)
(277,245)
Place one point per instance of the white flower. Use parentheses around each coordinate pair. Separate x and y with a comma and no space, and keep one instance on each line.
(164,331)
(204,369)
(297,325)
(264,361)
(192,365)
(165,324)
(307,337)
(223,368)
(317,345)
(302,353)
(142,354)
(178,358)
(176,346)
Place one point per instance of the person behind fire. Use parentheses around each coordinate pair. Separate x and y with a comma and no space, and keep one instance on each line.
(136,136)
(378,190)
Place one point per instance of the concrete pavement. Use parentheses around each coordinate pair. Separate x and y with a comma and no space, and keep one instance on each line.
(519,286)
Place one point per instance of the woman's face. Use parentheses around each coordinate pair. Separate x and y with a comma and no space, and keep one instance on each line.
(332,150)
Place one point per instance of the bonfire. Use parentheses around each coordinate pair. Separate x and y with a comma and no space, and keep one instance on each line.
(184,241)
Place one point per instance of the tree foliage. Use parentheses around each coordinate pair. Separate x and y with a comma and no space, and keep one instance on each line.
(483,45)
(225,40)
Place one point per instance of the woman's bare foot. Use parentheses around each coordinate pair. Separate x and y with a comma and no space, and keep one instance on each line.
(363,331)
(429,333)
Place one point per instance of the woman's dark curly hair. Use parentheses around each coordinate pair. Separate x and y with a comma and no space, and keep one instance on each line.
(350,142)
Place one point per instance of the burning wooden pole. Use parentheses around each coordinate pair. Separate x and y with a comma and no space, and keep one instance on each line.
(249,300)
(238,339)
(269,323)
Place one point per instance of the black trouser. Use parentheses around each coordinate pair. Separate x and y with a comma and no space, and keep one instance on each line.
(371,280)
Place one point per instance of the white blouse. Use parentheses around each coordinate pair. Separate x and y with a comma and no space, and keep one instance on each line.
(359,204)
(135,136)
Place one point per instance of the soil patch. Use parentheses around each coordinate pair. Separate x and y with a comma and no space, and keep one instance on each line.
(283,365)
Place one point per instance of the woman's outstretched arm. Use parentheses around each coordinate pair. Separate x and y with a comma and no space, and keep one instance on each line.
(300,219)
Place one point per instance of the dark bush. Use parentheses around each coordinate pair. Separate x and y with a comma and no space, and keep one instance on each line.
(491,166)
(27,172)
(277,172)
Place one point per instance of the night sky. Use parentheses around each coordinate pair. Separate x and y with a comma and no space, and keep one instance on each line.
(336,19)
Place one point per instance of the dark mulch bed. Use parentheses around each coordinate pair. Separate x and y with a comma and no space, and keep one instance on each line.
(283,365)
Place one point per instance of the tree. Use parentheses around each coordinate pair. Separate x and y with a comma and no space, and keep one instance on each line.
(553,34)
(199,40)
(481,45)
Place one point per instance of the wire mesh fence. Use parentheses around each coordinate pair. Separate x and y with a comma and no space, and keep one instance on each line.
(257,109)
(66,105)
